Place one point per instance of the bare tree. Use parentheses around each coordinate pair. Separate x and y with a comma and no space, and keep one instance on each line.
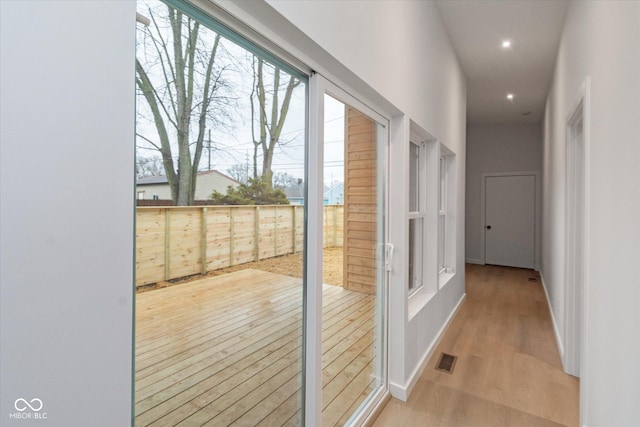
(178,75)
(148,166)
(271,113)
(239,172)
(285,180)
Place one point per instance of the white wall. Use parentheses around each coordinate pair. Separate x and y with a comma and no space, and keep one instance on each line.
(206,183)
(66,210)
(600,40)
(490,149)
(161,190)
(67,122)
(402,53)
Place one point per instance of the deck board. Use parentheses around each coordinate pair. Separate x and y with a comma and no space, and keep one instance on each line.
(226,350)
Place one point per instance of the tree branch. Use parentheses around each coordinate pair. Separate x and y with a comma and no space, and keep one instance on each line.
(164,63)
(146,87)
(202,119)
(157,147)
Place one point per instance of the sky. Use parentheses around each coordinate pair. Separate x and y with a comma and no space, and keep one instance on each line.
(232,144)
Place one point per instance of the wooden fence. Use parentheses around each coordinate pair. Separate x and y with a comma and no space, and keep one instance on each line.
(173,242)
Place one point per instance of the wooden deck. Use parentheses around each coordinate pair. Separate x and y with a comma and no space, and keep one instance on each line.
(226,350)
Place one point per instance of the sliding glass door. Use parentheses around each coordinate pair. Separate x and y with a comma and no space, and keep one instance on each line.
(353,294)
(261,237)
(350,352)
(220,143)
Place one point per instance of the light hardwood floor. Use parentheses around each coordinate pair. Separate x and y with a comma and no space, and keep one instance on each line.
(226,350)
(508,371)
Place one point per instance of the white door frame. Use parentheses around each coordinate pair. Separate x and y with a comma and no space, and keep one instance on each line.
(312,355)
(576,294)
(318,86)
(537,214)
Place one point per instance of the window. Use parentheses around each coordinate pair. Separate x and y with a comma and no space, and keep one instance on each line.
(446,221)
(442,214)
(416,215)
(431,219)
(422,219)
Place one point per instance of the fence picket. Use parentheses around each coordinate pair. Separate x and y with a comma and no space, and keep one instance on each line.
(230,235)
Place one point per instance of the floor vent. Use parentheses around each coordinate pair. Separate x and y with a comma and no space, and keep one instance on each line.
(446,363)
(533,279)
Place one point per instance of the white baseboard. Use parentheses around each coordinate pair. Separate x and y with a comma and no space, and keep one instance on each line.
(398,391)
(556,331)
(402,392)
(473,261)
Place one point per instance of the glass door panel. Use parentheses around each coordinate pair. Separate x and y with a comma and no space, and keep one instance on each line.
(354,277)
(221,145)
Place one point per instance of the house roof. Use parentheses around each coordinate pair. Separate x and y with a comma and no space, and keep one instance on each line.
(338,188)
(158,179)
(162,179)
(294,191)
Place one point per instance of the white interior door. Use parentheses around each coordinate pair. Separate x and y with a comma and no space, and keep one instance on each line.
(510,220)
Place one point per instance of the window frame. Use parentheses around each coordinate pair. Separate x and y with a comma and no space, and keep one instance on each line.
(415,215)
(442,213)
(446,220)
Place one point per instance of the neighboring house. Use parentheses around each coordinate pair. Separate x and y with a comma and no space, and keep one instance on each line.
(157,187)
(295,194)
(335,195)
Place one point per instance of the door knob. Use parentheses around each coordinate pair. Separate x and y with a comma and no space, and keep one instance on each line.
(488,227)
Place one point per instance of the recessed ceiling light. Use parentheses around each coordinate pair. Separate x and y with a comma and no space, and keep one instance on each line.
(509,96)
(506,43)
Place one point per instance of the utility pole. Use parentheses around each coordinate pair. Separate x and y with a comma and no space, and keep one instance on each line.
(209,147)
(247,163)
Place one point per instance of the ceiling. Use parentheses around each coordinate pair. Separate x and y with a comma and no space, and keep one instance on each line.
(477,29)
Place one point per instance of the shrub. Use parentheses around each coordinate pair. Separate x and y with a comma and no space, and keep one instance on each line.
(255,192)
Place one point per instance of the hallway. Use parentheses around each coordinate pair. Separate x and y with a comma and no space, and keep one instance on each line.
(462,91)
(508,371)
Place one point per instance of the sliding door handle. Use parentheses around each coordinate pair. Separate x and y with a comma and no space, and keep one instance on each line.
(388,255)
